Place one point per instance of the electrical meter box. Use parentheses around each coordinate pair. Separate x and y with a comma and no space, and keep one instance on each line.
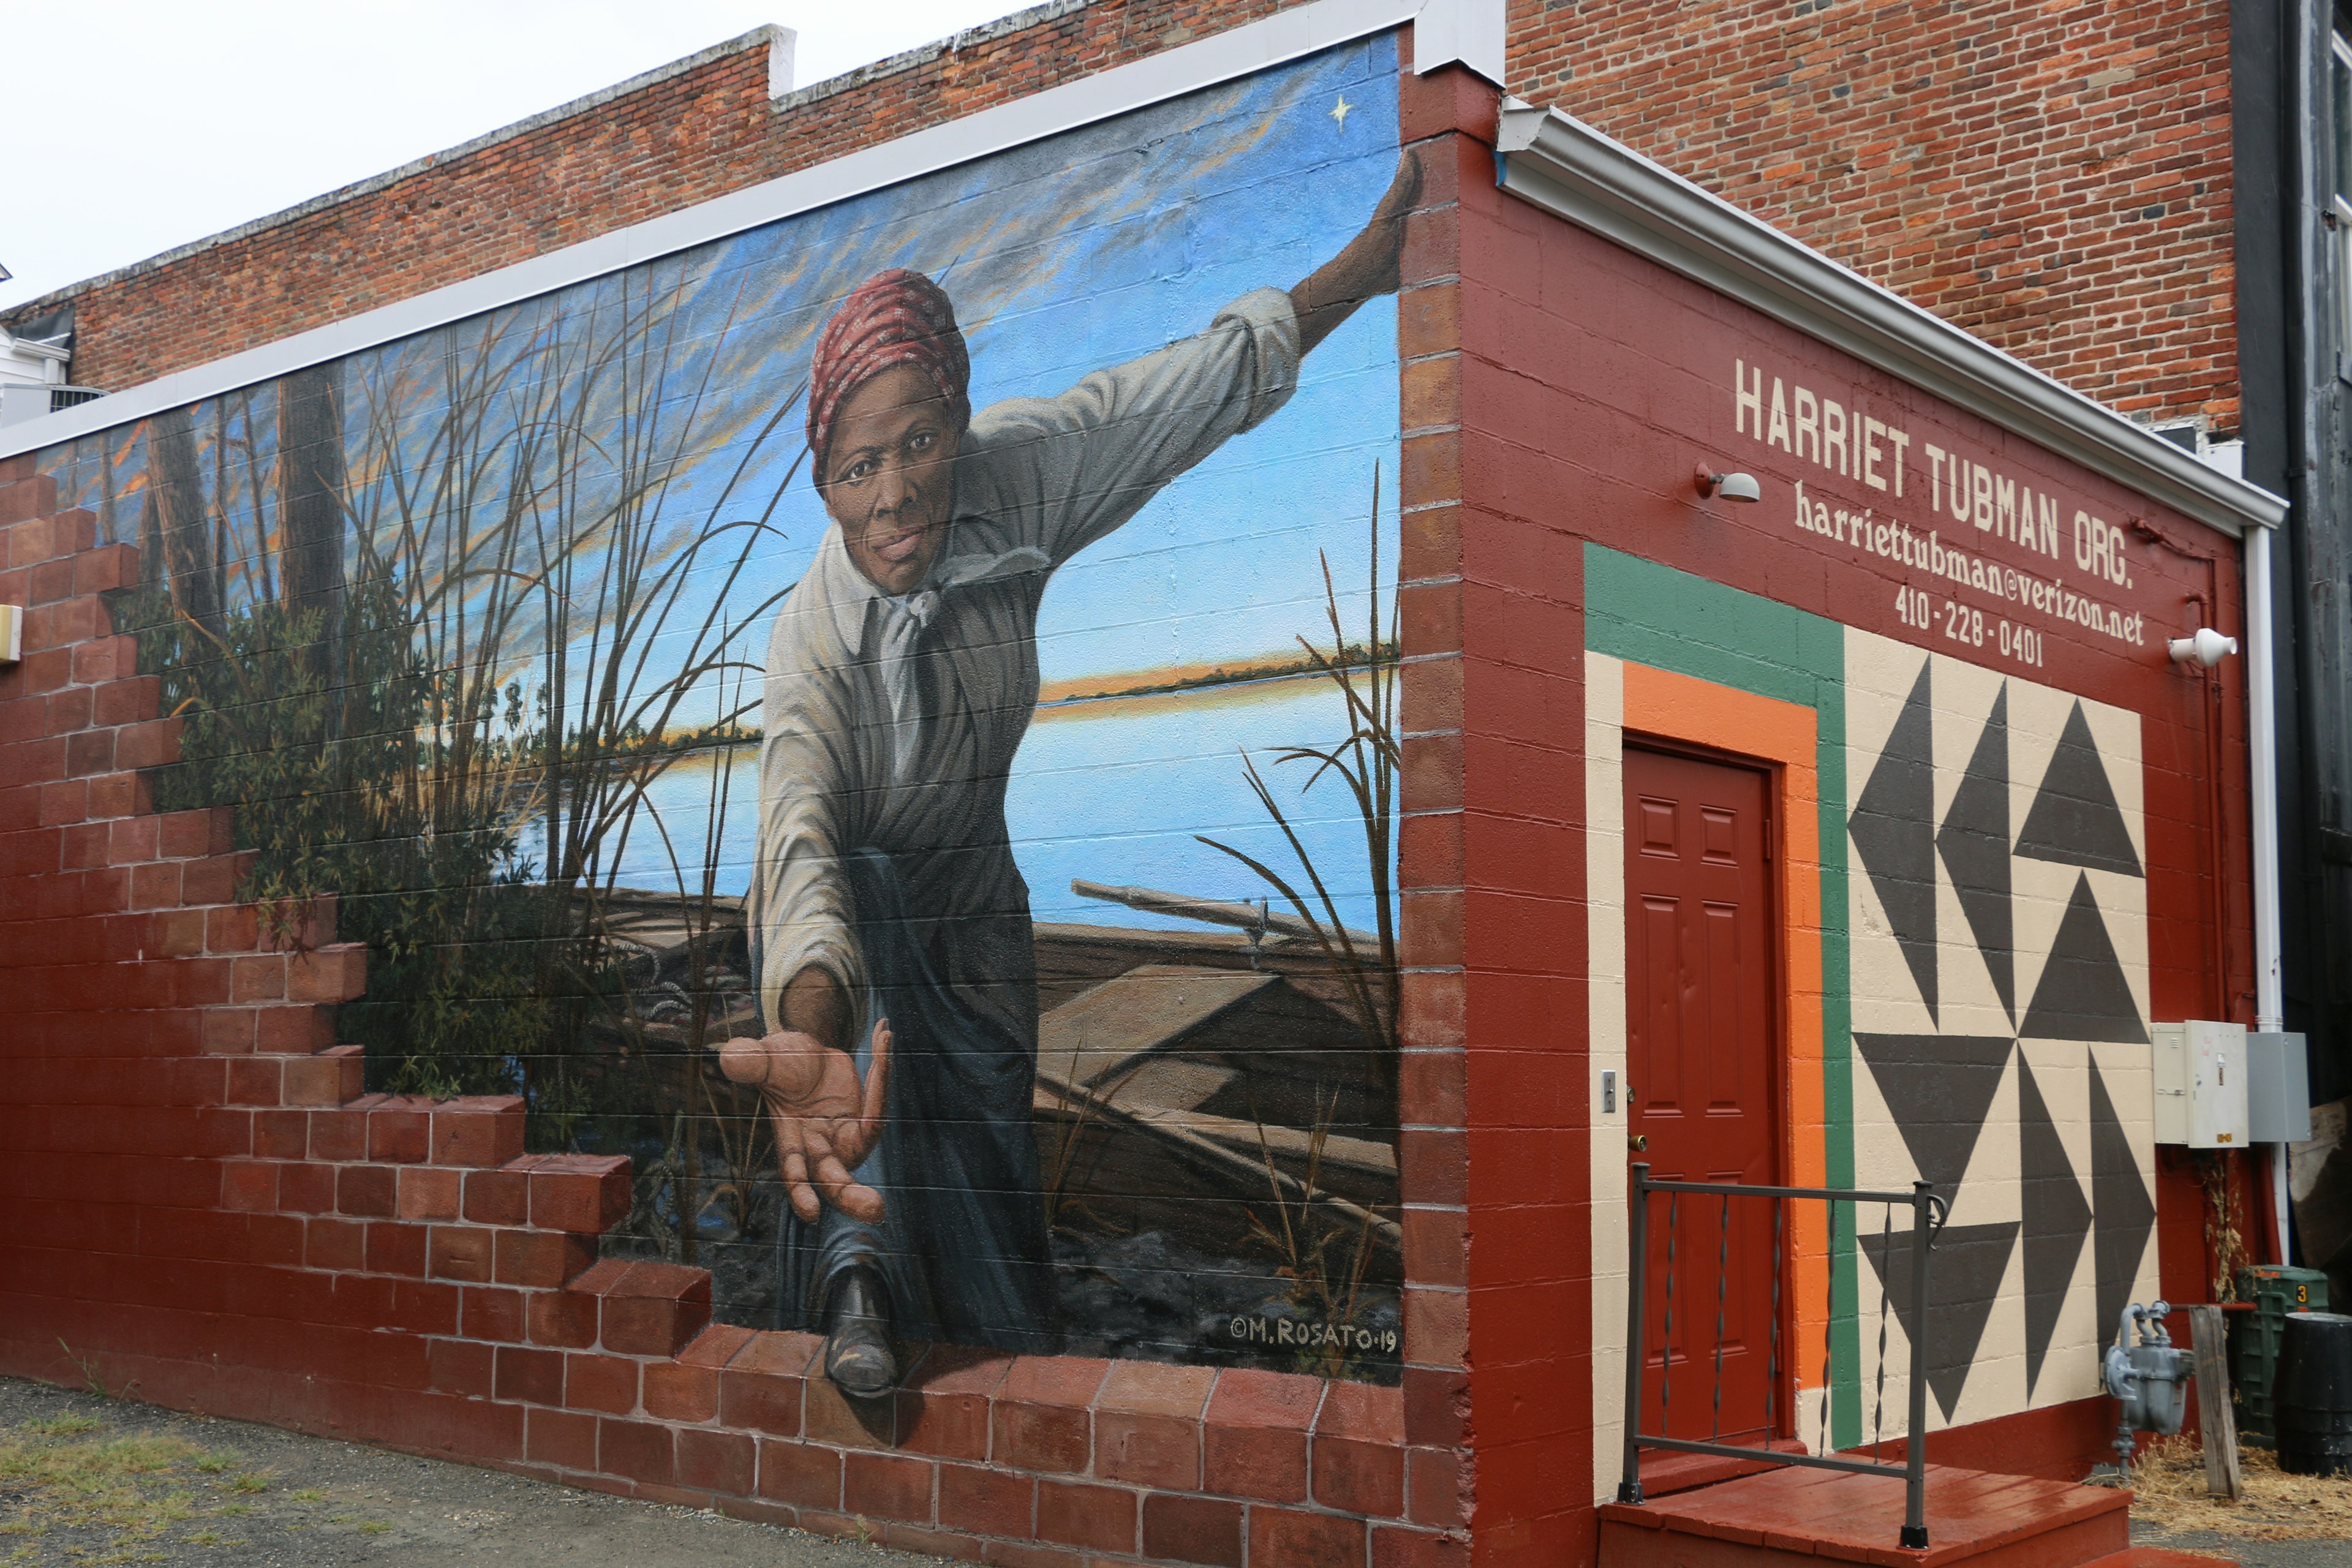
(2200,1084)
(2278,1090)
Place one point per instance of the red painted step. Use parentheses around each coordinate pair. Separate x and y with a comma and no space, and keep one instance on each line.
(1664,1473)
(1786,1517)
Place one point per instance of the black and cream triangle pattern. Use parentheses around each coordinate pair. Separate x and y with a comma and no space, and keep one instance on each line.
(1964,1274)
(1939,1088)
(2056,1208)
(1895,834)
(2075,820)
(2057,1219)
(1974,843)
(2083,994)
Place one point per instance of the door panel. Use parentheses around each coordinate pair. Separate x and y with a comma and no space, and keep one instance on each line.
(1702,1021)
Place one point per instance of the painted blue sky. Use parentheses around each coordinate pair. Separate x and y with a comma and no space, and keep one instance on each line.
(1064,256)
(1108,243)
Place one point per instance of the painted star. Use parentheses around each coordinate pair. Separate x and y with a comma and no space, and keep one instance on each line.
(1339,113)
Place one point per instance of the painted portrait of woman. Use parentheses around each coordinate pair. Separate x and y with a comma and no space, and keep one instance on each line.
(892,925)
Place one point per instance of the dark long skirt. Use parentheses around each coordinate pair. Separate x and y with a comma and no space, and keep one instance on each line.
(963,1247)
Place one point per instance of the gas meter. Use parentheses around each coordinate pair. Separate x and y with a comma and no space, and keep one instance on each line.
(2148,1380)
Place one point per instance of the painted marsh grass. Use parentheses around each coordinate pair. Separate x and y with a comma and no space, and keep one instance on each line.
(434,620)
(1366,764)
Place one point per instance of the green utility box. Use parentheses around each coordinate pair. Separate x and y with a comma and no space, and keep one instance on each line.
(2274,1291)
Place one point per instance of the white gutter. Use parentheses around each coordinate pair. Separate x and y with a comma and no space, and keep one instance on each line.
(2262,721)
(1557,163)
(2262,697)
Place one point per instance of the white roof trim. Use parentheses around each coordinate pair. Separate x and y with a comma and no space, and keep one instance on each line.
(34,349)
(1467,31)
(1560,163)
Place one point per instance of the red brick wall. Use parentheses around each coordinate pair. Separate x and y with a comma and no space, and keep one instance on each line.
(2054,179)
(670,145)
(1449,115)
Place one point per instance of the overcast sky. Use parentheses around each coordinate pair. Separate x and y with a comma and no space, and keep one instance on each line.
(134,126)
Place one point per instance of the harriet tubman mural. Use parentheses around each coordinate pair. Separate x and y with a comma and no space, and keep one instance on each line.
(888,719)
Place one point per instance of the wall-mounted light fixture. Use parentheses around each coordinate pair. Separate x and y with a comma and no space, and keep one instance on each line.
(11,633)
(1731,486)
(2206,647)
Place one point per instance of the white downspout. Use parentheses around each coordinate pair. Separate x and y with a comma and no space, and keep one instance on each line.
(2262,699)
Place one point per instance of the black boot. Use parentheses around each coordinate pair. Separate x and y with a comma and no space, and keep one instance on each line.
(858,1354)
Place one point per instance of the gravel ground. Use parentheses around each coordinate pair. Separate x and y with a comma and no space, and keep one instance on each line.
(86,1480)
(2247,1553)
(89,1479)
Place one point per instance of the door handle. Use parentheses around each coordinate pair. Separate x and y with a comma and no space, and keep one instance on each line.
(1639,1142)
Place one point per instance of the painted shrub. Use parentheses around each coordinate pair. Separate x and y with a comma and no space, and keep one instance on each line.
(532,641)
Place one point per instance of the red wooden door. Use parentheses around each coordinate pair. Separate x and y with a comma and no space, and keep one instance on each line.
(1701,1022)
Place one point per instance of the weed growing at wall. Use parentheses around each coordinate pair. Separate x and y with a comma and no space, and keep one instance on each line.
(113,1498)
(1323,1265)
(1326,1247)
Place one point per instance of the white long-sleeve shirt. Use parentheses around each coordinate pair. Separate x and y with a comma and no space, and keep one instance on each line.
(892,724)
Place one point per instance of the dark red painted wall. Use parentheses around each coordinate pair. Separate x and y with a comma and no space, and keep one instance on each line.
(1589,385)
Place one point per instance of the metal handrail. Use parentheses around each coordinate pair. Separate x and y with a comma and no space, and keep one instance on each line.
(1929,1213)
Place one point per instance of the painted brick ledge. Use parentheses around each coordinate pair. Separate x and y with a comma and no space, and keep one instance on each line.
(397,1271)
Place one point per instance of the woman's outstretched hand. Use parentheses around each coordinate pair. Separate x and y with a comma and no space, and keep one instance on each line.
(1367,266)
(826,1124)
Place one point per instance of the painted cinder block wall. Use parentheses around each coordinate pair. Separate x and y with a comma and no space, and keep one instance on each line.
(208,1213)
(275,1245)
(1572,414)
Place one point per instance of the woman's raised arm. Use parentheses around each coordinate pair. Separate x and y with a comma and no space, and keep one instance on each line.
(1365,267)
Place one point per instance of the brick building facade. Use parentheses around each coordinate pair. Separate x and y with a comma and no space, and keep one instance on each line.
(2064,185)
(2138,201)
(214,1201)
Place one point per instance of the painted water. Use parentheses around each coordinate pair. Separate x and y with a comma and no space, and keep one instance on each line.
(1118,790)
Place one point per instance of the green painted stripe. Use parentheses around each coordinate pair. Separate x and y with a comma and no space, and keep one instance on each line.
(1644,613)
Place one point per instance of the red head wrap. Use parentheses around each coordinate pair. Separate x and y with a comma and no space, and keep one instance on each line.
(892,318)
